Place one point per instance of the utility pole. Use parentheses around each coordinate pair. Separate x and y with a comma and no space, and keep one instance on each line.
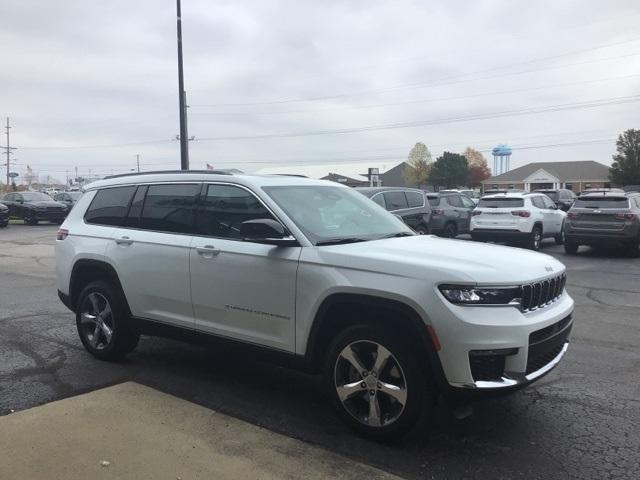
(138,161)
(8,149)
(182,98)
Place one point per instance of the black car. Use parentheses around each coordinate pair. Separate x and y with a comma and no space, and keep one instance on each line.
(33,207)
(609,219)
(562,197)
(68,198)
(4,215)
(408,203)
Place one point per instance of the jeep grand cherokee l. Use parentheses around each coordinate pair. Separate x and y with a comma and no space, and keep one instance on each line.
(318,273)
(33,207)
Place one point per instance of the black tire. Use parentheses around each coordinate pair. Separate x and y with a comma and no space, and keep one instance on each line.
(560,237)
(396,419)
(570,248)
(422,229)
(4,225)
(534,241)
(450,230)
(123,338)
(30,218)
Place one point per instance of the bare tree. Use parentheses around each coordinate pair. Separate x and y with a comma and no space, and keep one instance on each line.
(419,165)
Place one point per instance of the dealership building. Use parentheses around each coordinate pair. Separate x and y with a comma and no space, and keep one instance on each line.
(575,176)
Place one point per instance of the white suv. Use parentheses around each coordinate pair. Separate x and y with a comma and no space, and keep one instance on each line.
(517,217)
(318,274)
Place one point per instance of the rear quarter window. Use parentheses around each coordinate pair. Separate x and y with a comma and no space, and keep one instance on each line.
(395,200)
(500,203)
(109,206)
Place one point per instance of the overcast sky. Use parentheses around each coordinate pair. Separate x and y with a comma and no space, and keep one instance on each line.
(91,84)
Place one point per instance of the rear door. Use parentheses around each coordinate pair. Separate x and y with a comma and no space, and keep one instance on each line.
(150,250)
(462,214)
(414,215)
(553,215)
(241,290)
(469,205)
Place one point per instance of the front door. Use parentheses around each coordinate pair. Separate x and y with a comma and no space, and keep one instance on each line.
(239,289)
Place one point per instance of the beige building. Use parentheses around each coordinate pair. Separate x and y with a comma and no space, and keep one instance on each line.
(575,176)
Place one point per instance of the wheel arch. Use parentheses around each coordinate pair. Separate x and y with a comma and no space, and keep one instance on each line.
(342,310)
(88,270)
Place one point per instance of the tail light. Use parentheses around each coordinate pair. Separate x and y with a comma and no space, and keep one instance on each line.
(573,215)
(475,213)
(62,234)
(521,213)
(438,211)
(624,216)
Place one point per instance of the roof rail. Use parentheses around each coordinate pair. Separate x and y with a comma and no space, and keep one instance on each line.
(157,172)
(289,175)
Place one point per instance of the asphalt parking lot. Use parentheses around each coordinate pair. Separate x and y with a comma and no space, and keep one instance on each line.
(581,421)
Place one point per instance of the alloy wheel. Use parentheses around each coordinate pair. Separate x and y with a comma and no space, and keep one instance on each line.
(96,321)
(537,239)
(370,383)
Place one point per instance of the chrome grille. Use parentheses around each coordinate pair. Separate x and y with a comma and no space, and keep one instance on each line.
(540,294)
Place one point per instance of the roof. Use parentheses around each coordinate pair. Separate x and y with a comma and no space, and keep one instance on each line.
(519,194)
(372,190)
(255,181)
(583,170)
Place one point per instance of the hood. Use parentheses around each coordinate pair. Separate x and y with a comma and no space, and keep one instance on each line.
(428,256)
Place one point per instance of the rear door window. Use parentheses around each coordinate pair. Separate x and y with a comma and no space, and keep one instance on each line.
(454,200)
(395,200)
(170,208)
(602,202)
(501,203)
(415,199)
(133,217)
(109,206)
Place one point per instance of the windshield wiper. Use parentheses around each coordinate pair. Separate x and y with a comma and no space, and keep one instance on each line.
(397,235)
(340,241)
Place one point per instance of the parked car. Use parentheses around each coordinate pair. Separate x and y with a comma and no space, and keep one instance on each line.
(408,203)
(68,198)
(316,274)
(601,190)
(472,194)
(493,191)
(33,207)
(604,219)
(520,218)
(562,197)
(4,215)
(450,213)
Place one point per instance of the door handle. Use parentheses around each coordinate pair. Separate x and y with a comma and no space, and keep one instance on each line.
(124,241)
(208,251)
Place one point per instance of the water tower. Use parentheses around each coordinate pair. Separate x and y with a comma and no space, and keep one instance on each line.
(501,159)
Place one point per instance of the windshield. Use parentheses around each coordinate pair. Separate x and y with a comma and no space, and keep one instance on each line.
(328,214)
(74,195)
(602,202)
(500,202)
(36,197)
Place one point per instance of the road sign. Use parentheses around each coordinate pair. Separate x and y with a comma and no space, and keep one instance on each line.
(14,174)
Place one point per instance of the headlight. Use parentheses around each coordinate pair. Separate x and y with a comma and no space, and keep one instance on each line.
(468,295)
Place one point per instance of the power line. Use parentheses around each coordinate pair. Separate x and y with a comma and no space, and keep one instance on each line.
(87,147)
(439,121)
(445,80)
(426,100)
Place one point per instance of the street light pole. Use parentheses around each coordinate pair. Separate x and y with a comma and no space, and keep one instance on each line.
(184,139)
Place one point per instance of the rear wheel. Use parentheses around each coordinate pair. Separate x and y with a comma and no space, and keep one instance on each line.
(450,231)
(422,230)
(30,218)
(3,225)
(570,248)
(534,242)
(559,238)
(633,250)
(103,322)
(376,383)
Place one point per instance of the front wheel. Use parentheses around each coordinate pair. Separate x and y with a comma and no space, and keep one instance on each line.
(570,248)
(534,242)
(375,382)
(450,231)
(30,218)
(103,322)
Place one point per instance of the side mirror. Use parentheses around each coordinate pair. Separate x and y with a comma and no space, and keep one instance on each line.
(268,231)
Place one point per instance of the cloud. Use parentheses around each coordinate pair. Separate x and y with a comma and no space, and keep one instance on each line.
(104,73)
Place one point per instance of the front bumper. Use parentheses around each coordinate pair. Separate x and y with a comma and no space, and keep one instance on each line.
(510,335)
